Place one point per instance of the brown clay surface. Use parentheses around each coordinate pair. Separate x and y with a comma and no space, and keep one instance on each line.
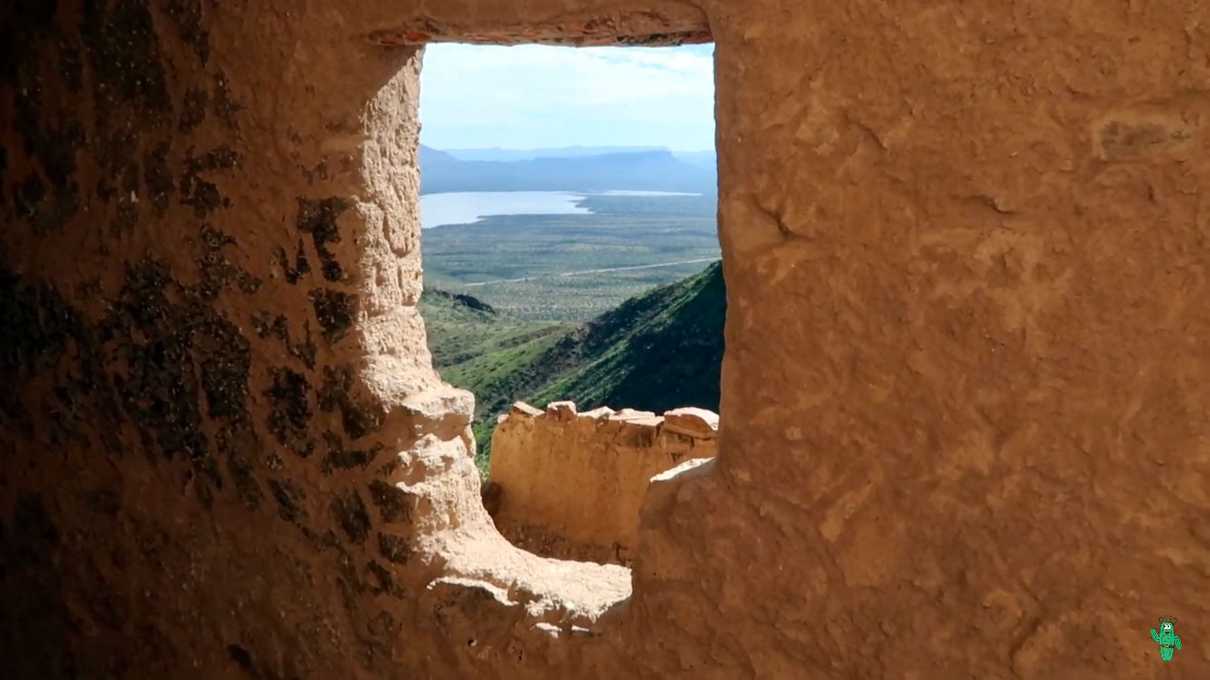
(965,393)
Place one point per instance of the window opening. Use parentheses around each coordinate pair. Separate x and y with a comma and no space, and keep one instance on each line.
(568,205)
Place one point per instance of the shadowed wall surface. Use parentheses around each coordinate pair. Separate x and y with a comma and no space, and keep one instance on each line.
(964,400)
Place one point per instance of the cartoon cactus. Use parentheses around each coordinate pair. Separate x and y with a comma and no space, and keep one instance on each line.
(1167,638)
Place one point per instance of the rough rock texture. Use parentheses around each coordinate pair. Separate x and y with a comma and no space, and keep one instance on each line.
(964,400)
(570,485)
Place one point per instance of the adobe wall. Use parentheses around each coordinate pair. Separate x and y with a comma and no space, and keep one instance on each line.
(197,246)
(570,485)
(964,395)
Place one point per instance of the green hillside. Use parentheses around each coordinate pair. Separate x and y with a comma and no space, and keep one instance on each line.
(657,351)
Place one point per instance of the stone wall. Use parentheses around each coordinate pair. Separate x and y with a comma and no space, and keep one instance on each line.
(570,485)
(964,395)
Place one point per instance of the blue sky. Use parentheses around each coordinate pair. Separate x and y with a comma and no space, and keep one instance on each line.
(533,96)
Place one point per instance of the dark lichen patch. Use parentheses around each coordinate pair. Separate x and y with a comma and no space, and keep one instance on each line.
(381,581)
(359,420)
(223,104)
(290,410)
(193,109)
(159,390)
(335,389)
(267,325)
(51,141)
(350,513)
(217,271)
(39,327)
(394,504)
(126,215)
(319,219)
(219,158)
(113,155)
(214,239)
(225,361)
(159,349)
(39,330)
(48,196)
(187,16)
(200,193)
(289,500)
(334,311)
(124,53)
(340,458)
(176,350)
(158,177)
(50,133)
(239,443)
(300,267)
(1131,138)
(336,392)
(305,351)
(348,576)
(394,548)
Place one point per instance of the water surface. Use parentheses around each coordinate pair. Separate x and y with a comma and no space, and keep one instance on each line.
(465,207)
(628,192)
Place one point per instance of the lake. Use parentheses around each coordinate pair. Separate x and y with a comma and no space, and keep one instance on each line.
(471,206)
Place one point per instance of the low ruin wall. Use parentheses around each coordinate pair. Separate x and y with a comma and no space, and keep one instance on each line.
(570,485)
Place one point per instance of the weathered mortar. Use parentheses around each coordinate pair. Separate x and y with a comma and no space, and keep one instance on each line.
(570,485)
(964,395)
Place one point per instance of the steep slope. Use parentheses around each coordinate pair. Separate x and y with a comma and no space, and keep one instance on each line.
(657,351)
(488,352)
(654,352)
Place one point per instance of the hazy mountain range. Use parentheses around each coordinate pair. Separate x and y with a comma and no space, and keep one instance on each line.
(592,169)
(498,154)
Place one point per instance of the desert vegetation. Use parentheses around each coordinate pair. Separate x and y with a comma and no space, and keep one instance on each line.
(657,351)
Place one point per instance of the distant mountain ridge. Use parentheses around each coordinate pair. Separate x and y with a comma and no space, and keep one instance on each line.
(652,170)
(707,159)
(499,154)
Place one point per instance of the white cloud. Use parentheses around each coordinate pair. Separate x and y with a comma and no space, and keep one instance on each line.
(534,95)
